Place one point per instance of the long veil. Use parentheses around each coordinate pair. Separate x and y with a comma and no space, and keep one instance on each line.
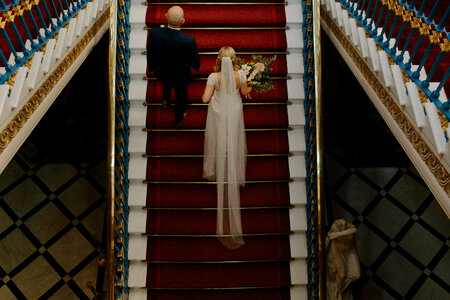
(225,151)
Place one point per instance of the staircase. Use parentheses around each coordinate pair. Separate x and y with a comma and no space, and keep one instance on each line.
(419,122)
(173,250)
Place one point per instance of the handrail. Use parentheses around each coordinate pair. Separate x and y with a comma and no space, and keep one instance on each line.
(380,18)
(315,279)
(27,25)
(319,172)
(111,158)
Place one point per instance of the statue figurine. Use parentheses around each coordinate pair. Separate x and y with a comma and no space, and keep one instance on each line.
(342,260)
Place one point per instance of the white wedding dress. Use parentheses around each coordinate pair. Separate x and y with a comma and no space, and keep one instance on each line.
(225,151)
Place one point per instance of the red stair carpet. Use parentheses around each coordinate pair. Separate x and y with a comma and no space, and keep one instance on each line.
(185,259)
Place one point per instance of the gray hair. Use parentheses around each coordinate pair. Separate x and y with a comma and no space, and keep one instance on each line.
(175,16)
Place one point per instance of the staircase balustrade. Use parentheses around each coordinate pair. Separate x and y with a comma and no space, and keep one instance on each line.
(26,26)
(314,224)
(421,26)
(35,37)
(122,157)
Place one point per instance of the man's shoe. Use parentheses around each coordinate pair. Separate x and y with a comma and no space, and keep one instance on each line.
(179,120)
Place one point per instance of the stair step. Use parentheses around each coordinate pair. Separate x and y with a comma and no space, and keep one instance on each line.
(242,293)
(258,168)
(269,14)
(252,39)
(279,67)
(166,196)
(254,116)
(192,142)
(209,276)
(196,89)
(209,248)
(208,61)
(204,222)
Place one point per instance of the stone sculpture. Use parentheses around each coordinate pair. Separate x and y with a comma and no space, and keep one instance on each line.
(342,260)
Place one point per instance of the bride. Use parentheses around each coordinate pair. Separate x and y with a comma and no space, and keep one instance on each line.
(225,145)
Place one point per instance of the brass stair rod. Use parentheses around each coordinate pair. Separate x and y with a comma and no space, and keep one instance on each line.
(202,129)
(205,78)
(240,53)
(201,155)
(213,3)
(230,28)
(216,261)
(206,104)
(214,182)
(217,235)
(215,208)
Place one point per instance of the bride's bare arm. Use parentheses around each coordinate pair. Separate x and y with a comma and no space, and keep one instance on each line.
(245,89)
(207,94)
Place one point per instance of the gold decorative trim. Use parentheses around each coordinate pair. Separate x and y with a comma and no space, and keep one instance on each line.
(19,120)
(429,158)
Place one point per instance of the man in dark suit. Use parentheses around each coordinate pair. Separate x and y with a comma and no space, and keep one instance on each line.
(171,54)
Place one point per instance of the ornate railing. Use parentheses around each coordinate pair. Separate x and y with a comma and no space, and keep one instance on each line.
(418,27)
(26,26)
(122,133)
(311,57)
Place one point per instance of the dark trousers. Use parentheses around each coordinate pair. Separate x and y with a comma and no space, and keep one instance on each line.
(181,95)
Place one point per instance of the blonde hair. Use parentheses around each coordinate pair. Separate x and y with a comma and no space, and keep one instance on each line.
(226,51)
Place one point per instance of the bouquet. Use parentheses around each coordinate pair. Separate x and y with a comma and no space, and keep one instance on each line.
(258,72)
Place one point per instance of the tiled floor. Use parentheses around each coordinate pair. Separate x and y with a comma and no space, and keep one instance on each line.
(51,217)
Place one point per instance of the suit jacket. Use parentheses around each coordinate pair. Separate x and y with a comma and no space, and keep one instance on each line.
(171,54)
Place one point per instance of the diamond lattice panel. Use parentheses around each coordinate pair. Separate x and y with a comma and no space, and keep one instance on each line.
(51,219)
